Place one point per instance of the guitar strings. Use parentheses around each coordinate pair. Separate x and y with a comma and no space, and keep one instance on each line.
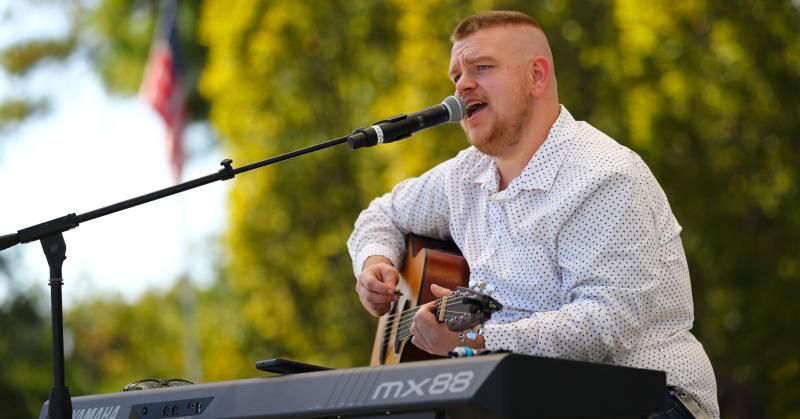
(403,330)
(456,300)
(403,325)
(406,322)
(406,318)
(391,318)
(402,333)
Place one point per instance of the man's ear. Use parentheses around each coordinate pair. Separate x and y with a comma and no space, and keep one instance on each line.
(540,69)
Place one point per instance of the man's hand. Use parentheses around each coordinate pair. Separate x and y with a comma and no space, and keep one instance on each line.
(430,335)
(376,285)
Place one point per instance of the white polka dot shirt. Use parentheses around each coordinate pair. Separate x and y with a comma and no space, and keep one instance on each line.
(582,247)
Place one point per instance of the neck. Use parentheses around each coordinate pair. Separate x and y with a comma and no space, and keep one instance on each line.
(511,163)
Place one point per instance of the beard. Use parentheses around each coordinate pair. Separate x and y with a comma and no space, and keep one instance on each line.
(504,134)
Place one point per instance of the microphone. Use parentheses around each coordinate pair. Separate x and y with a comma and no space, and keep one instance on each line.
(452,109)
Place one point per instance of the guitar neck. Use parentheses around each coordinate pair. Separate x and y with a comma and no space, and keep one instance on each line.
(427,262)
(407,316)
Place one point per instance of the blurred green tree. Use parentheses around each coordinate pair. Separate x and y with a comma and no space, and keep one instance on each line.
(116,342)
(24,347)
(114,36)
(705,91)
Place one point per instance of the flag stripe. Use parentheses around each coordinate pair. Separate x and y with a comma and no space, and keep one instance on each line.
(162,88)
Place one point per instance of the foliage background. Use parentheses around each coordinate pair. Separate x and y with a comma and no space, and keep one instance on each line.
(705,91)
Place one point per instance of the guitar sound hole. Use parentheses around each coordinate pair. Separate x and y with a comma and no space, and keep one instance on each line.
(387,332)
(402,326)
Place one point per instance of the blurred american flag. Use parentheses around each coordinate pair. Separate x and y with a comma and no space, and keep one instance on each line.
(162,87)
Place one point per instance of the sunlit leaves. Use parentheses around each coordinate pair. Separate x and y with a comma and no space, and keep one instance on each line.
(20,58)
(14,111)
(705,91)
(701,89)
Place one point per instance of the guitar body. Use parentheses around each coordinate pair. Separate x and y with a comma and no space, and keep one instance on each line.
(427,262)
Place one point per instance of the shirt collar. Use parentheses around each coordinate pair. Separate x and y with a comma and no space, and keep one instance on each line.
(541,170)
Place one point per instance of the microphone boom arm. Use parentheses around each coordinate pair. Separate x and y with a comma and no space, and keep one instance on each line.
(50,232)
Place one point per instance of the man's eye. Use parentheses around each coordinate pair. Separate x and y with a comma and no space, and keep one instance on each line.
(456,78)
(484,67)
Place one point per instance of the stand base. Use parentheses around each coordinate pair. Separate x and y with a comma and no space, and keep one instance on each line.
(60,403)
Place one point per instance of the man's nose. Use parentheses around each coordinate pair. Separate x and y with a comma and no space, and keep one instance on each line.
(464,84)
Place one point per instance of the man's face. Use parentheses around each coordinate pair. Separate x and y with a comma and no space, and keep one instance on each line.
(490,69)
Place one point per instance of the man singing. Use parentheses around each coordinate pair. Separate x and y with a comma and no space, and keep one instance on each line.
(571,228)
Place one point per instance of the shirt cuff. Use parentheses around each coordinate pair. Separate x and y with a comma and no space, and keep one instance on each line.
(372,250)
(506,336)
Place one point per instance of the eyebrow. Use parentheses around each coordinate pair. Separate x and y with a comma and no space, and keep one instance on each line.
(470,60)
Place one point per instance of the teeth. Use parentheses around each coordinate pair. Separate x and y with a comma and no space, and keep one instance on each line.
(472,107)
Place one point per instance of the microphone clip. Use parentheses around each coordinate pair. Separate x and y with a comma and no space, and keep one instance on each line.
(373,134)
(395,118)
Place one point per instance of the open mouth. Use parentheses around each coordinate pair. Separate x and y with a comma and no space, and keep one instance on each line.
(474,108)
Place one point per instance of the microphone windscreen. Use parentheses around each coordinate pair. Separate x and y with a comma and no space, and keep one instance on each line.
(456,108)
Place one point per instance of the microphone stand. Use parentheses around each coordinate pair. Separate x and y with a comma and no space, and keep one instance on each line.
(49,234)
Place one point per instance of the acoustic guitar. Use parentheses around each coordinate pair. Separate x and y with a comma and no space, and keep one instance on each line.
(429,261)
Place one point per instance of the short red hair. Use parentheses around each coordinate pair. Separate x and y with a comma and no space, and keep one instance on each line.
(490,19)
